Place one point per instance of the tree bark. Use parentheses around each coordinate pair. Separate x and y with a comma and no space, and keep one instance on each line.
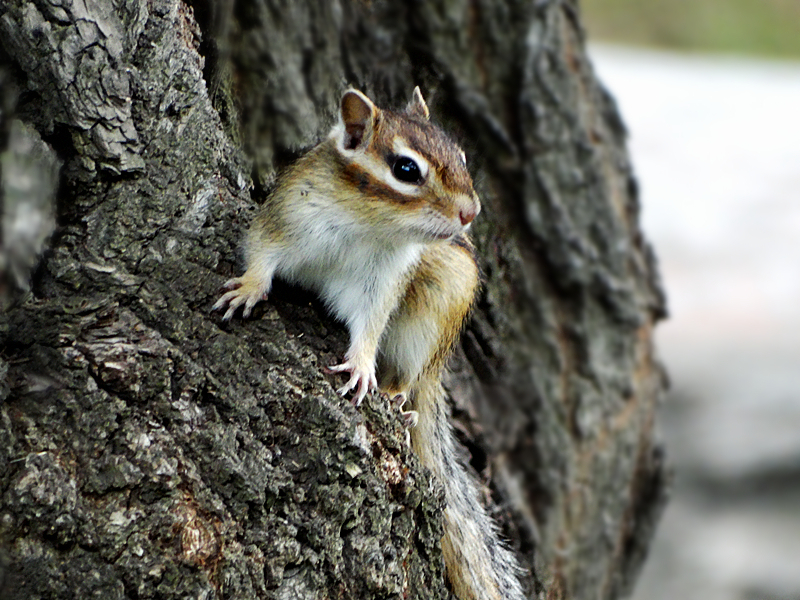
(149,450)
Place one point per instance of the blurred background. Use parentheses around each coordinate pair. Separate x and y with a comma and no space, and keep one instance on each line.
(710,91)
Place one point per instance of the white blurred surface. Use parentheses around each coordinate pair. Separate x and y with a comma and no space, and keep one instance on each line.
(716,147)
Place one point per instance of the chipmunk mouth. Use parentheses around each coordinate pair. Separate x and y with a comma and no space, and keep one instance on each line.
(441,229)
(443,233)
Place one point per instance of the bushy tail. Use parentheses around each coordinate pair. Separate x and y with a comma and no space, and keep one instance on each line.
(479,566)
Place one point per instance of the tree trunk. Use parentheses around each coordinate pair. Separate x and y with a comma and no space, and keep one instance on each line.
(149,450)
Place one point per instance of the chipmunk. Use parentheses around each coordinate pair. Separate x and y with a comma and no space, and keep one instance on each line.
(374,219)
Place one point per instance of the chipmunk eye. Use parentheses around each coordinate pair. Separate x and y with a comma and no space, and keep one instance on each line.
(405,169)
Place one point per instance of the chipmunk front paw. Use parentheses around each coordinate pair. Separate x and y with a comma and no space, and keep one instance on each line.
(243,290)
(362,378)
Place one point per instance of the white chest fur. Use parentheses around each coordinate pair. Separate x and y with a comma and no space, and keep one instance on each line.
(354,271)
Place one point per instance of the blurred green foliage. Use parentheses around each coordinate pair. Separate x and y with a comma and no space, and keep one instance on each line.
(765,27)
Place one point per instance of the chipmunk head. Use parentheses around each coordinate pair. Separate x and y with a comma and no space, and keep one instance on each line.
(408,172)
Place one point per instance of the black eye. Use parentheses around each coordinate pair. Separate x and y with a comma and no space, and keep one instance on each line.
(406,170)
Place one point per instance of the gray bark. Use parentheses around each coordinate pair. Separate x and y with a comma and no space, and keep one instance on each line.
(147,450)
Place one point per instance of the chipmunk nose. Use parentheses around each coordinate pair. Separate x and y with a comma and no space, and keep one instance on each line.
(468,214)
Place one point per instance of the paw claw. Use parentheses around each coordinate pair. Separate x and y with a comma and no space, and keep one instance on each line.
(410,418)
(242,291)
(399,400)
(362,380)
(345,389)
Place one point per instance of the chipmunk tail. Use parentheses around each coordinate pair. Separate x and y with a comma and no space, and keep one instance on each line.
(479,565)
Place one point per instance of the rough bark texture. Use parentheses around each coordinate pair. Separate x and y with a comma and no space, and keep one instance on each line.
(147,450)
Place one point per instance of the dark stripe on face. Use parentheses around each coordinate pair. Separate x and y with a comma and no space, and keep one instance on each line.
(369,186)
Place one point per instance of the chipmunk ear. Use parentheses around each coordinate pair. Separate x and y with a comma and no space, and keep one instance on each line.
(358,116)
(417,107)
